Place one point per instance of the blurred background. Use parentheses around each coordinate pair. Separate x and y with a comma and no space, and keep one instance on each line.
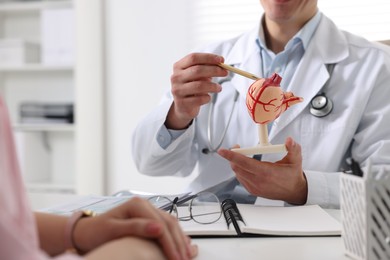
(79,75)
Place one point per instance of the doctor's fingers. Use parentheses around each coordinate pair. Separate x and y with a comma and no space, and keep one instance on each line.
(189,107)
(257,172)
(252,186)
(197,72)
(260,184)
(244,162)
(197,59)
(253,174)
(195,88)
(294,153)
(279,183)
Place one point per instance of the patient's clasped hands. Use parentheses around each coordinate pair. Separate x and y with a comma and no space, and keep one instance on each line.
(138,218)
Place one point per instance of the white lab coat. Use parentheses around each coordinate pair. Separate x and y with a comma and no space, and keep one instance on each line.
(358,126)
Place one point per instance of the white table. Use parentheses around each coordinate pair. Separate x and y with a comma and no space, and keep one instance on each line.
(267,248)
(271,248)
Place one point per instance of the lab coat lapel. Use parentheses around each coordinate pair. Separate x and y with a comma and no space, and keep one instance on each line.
(328,46)
(303,86)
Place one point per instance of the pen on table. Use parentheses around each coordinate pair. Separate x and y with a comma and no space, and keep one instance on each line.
(355,167)
(173,204)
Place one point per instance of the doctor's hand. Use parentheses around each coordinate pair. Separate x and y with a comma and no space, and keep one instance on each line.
(191,87)
(135,218)
(282,180)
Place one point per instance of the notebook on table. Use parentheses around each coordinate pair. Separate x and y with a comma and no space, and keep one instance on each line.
(252,220)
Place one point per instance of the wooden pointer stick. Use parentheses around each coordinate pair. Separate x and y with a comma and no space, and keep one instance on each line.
(238,71)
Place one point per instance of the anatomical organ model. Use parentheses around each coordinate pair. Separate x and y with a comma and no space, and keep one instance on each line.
(266,101)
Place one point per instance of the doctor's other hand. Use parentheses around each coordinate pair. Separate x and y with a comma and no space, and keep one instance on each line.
(191,85)
(282,180)
(135,218)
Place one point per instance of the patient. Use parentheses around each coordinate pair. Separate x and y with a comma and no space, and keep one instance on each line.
(133,230)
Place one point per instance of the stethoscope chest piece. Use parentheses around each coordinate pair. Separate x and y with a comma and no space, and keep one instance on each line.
(320,105)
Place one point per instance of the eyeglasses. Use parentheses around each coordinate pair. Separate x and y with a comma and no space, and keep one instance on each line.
(204,207)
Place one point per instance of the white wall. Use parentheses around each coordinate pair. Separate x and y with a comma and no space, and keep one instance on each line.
(90,99)
(144,39)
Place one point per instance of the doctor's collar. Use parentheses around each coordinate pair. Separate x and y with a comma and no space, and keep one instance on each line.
(304,35)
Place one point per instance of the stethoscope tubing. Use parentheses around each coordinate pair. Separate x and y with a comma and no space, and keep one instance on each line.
(211,148)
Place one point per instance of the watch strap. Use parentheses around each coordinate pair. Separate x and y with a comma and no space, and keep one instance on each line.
(70,226)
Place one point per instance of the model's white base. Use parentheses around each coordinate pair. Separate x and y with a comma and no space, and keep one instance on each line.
(261,149)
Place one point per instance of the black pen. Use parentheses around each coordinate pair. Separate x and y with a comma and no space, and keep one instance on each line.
(355,167)
(173,204)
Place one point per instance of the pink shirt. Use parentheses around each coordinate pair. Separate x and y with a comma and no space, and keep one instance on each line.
(18,232)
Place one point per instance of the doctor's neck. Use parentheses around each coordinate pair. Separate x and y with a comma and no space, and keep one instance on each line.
(278,32)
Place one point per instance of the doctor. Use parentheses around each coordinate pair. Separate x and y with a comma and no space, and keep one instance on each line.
(314,58)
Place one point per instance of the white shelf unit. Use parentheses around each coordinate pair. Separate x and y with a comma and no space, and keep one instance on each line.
(33,6)
(36,68)
(47,151)
(43,127)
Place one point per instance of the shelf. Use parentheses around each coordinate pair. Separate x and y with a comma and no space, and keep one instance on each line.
(50,187)
(33,6)
(46,147)
(35,68)
(44,127)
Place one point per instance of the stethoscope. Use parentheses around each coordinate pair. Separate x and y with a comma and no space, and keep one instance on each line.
(320,106)
(211,148)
